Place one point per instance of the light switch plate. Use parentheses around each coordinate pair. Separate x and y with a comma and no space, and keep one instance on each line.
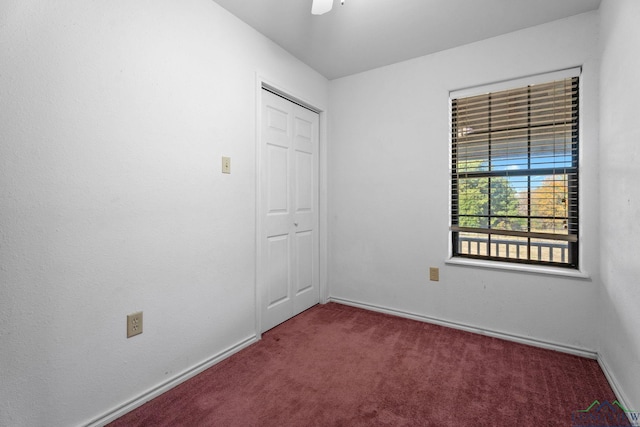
(226,164)
(434,274)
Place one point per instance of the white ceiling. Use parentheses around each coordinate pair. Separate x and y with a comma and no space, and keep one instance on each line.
(366,34)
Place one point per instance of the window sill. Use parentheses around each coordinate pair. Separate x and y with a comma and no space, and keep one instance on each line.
(535,269)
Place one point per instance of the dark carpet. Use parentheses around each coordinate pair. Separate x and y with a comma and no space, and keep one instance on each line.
(336,365)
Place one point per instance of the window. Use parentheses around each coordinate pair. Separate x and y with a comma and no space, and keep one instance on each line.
(514,174)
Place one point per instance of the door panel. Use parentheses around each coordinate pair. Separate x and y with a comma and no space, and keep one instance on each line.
(304,261)
(277,179)
(278,273)
(278,119)
(288,252)
(304,182)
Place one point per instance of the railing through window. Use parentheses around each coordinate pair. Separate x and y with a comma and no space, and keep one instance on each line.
(540,251)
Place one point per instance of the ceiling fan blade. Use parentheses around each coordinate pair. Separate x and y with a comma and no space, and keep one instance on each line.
(318,7)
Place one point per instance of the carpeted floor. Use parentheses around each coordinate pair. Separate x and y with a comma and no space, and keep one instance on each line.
(335,365)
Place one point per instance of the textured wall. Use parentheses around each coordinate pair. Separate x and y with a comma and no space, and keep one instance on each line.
(114,117)
(389,189)
(620,195)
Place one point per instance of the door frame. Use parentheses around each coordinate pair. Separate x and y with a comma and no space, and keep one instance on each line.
(265,83)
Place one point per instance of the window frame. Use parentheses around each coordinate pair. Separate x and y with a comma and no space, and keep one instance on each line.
(572,265)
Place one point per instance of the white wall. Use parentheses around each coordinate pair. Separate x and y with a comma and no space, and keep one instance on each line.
(620,196)
(114,117)
(389,189)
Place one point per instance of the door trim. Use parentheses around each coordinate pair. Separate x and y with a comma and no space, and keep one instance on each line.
(314,105)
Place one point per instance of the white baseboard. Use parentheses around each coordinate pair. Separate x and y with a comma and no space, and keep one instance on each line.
(469,328)
(615,386)
(154,392)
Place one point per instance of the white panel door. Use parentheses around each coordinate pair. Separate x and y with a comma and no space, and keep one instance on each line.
(288,246)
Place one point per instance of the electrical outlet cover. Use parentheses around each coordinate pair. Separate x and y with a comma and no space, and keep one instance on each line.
(226,165)
(134,324)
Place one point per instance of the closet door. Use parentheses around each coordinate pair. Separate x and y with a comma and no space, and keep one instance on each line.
(288,246)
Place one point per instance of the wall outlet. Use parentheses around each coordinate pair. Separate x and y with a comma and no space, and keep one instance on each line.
(434,274)
(226,165)
(134,324)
